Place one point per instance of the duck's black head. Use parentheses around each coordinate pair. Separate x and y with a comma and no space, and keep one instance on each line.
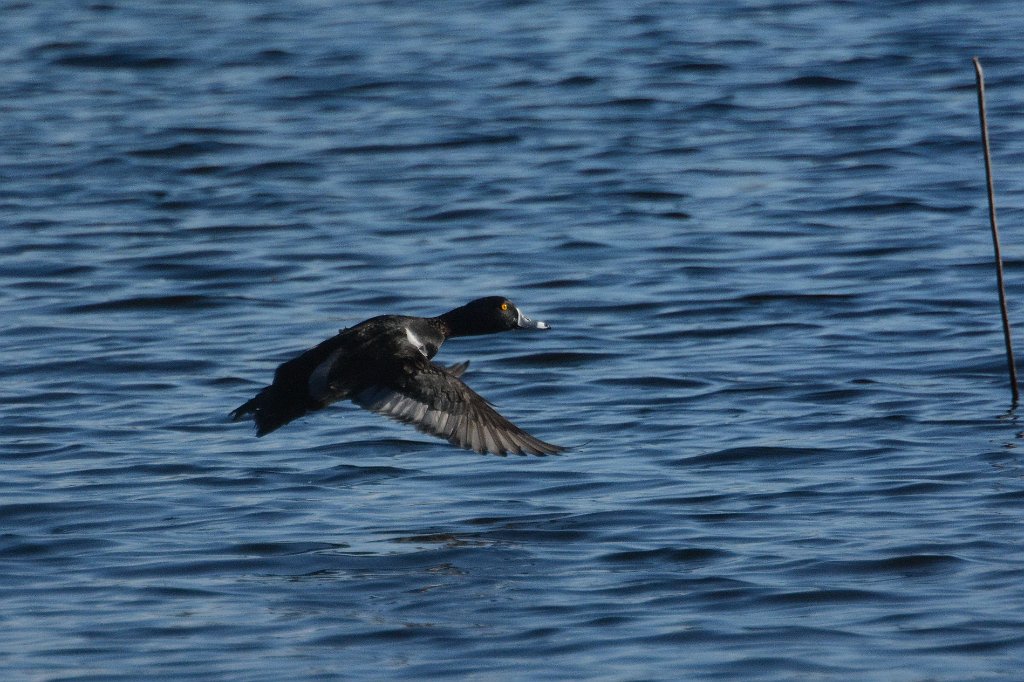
(487,316)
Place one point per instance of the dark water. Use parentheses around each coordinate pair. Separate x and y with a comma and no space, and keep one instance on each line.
(758,229)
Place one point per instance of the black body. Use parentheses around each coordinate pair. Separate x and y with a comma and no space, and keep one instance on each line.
(384,365)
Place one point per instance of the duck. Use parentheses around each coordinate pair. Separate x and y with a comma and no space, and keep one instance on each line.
(384,364)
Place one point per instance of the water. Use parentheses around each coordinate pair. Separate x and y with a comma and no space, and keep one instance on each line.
(758,229)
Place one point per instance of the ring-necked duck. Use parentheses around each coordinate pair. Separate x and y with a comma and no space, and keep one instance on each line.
(383,365)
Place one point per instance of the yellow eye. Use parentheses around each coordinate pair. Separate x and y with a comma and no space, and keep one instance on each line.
(504,306)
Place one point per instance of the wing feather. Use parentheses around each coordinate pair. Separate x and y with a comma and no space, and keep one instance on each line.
(436,401)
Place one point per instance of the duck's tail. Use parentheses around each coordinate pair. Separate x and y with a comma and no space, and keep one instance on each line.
(272,408)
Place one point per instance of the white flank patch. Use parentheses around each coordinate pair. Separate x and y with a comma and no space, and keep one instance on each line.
(415,341)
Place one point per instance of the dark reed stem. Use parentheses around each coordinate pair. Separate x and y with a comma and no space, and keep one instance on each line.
(995,230)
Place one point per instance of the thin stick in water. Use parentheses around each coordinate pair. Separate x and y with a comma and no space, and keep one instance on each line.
(995,230)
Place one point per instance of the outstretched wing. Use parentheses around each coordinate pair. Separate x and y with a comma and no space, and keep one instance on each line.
(434,400)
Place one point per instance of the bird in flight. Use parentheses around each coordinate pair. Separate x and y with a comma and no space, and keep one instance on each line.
(384,365)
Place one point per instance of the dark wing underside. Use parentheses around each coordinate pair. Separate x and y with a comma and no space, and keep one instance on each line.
(434,400)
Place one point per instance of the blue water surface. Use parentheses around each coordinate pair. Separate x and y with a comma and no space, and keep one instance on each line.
(758,230)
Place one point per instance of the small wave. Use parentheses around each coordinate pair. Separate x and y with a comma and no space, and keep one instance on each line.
(262,549)
(652,382)
(753,454)
(649,195)
(171,302)
(456,143)
(818,82)
(185,149)
(825,596)
(14,547)
(119,60)
(906,564)
(579,81)
(560,358)
(352,473)
(665,555)
(630,102)
(453,215)
(692,66)
(273,168)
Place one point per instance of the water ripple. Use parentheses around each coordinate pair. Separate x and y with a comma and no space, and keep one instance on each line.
(757,230)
